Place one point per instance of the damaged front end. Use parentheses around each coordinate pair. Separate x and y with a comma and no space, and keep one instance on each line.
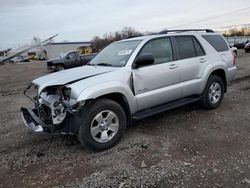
(53,110)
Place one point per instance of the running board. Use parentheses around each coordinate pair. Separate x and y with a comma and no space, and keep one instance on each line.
(164,107)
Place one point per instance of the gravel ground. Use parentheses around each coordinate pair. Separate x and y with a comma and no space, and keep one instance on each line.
(186,147)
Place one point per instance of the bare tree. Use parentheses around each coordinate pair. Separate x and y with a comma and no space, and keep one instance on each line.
(126,32)
(244,31)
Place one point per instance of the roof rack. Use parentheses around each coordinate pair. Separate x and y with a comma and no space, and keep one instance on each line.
(185,30)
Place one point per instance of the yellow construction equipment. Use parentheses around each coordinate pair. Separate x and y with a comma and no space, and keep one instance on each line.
(86,50)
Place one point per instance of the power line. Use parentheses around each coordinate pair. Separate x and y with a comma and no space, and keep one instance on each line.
(212,17)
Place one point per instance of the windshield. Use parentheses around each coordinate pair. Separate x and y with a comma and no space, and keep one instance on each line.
(63,55)
(116,54)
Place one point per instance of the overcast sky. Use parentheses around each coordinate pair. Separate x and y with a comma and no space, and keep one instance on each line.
(80,20)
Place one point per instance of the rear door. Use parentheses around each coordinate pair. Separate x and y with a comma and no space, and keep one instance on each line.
(192,63)
(157,84)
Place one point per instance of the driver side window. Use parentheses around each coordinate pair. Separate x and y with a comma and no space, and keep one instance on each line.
(72,56)
(161,49)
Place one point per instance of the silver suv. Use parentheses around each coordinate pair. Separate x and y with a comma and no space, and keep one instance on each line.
(129,80)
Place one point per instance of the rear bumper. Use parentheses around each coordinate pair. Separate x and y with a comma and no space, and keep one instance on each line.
(231,73)
(32,121)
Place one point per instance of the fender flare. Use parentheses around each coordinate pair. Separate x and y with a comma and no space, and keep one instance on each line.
(102,89)
(209,70)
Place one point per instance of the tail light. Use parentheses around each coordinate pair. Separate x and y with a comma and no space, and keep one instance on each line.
(234,58)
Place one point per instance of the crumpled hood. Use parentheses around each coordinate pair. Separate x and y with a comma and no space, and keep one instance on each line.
(71,75)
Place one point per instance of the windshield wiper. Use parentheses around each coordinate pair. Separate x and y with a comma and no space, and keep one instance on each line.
(104,64)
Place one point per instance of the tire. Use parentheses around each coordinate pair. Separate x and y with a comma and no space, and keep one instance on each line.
(49,69)
(104,134)
(59,67)
(213,93)
(247,51)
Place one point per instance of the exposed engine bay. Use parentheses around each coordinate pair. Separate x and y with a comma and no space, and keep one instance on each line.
(52,104)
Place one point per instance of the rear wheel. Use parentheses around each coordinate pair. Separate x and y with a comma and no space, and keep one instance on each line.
(213,93)
(103,124)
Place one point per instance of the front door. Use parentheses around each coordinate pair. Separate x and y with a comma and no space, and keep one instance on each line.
(158,83)
(72,60)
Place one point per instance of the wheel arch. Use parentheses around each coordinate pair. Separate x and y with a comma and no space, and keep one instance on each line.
(72,123)
(221,73)
(112,90)
(214,70)
(122,101)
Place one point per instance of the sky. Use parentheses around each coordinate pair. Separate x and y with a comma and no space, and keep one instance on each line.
(81,20)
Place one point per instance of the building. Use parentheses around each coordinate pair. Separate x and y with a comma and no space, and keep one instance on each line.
(57,49)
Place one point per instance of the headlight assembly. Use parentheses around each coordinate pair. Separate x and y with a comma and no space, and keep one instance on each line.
(66,93)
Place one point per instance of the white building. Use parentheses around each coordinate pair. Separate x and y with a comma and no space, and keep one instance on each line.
(55,50)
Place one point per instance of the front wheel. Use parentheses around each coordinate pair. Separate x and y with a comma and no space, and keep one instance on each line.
(213,93)
(59,67)
(103,124)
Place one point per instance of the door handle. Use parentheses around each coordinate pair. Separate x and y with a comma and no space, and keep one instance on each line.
(173,66)
(203,60)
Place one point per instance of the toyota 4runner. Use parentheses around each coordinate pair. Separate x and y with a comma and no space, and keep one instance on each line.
(130,80)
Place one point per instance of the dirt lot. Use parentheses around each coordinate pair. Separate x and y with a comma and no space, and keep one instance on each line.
(187,147)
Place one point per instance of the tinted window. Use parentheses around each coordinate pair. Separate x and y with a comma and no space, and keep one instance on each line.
(161,49)
(198,48)
(185,47)
(217,42)
(87,57)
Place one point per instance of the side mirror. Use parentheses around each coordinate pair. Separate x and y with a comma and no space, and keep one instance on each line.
(144,60)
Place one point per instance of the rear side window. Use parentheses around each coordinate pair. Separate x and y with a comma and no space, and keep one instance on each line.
(217,42)
(185,47)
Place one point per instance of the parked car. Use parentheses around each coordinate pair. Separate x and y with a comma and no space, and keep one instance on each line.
(241,45)
(247,47)
(69,60)
(17,59)
(130,80)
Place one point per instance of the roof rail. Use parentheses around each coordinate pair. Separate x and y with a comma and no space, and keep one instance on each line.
(185,30)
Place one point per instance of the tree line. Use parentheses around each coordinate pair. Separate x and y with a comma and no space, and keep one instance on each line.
(107,38)
(128,32)
(243,31)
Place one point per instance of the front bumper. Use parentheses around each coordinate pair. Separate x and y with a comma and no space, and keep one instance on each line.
(32,121)
(231,74)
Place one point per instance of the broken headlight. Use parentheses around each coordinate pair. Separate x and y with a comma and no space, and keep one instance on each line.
(66,93)
(31,92)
